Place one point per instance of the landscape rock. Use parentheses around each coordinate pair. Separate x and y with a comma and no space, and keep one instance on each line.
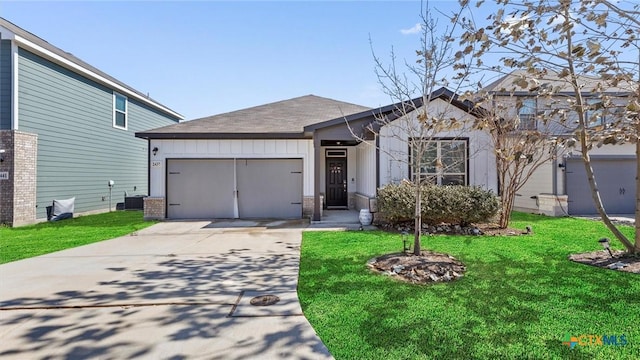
(428,267)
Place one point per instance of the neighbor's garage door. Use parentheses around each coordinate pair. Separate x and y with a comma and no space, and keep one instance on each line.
(266,188)
(616,182)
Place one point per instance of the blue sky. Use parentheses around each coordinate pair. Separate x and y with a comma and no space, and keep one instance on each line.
(208,57)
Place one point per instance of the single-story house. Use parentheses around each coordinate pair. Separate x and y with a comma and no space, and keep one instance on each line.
(293,158)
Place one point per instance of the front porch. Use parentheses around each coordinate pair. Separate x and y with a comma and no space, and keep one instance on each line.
(339,220)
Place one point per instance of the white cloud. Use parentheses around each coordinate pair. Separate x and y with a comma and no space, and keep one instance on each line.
(414,30)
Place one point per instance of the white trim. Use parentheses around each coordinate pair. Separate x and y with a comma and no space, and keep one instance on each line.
(236,209)
(14,86)
(115,110)
(83,71)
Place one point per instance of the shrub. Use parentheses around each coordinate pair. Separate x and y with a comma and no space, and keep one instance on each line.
(452,204)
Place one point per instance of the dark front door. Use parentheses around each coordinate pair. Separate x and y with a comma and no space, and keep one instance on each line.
(336,191)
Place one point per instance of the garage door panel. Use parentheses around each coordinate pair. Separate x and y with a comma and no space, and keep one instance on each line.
(269,188)
(616,182)
(199,189)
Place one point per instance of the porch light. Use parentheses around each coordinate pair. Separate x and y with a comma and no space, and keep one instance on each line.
(155,151)
(605,244)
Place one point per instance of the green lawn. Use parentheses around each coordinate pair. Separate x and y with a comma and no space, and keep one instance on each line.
(28,241)
(518,299)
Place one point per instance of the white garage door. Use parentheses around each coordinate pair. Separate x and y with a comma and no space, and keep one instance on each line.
(616,182)
(228,188)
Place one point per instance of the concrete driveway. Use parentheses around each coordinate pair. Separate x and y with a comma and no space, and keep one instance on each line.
(176,290)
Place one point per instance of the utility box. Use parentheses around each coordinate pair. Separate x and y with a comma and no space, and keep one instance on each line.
(134,202)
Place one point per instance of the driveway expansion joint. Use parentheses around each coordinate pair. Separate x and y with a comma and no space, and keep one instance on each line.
(125,305)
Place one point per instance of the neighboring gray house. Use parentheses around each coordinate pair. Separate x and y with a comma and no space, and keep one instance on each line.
(292,158)
(560,187)
(66,128)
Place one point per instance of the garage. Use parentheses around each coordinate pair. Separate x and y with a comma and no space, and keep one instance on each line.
(234,188)
(615,176)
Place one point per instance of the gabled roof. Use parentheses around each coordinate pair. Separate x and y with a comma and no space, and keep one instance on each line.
(44,49)
(395,111)
(282,119)
(295,118)
(505,85)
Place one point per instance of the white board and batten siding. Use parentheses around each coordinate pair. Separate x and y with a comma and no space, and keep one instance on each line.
(228,149)
(394,148)
(366,172)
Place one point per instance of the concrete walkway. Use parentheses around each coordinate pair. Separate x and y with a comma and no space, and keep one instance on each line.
(176,290)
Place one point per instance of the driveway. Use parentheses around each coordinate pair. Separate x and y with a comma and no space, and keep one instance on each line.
(176,290)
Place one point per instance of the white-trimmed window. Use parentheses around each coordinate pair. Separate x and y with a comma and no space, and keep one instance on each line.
(595,115)
(527,114)
(443,162)
(119,111)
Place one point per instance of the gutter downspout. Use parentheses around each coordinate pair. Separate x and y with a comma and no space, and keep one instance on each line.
(554,172)
(316,178)
(148,167)
(377,162)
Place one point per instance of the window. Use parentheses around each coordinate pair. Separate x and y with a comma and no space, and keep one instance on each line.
(119,111)
(443,162)
(594,116)
(527,114)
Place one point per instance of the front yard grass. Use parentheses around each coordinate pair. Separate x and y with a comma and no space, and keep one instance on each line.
(518,299)
(43,238)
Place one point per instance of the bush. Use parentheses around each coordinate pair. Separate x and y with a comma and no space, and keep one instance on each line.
(452,204)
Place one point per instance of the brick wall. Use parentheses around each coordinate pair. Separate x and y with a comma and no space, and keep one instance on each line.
(154,208)
(25,180)
(307,206)
(18,193)
(6,186)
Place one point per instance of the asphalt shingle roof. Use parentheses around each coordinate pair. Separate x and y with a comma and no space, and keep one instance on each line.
(282,117)
(506,83)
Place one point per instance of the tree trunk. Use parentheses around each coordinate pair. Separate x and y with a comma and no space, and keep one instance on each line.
(637,237)
(418,219)
(507,206)
(595,194)
(582,134)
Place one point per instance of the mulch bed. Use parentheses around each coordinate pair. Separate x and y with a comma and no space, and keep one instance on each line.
(621,261)
(432,267)
(446,229)
(429,267)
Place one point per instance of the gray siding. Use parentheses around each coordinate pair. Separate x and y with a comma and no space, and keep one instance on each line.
(78,148)
(5,84)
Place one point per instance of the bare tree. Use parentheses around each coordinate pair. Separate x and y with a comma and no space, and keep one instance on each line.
(521,146)
(416,119)
(582,42)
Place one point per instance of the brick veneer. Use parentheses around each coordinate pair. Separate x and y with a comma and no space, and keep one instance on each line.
(154,208)
(307,206)
(18,193)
